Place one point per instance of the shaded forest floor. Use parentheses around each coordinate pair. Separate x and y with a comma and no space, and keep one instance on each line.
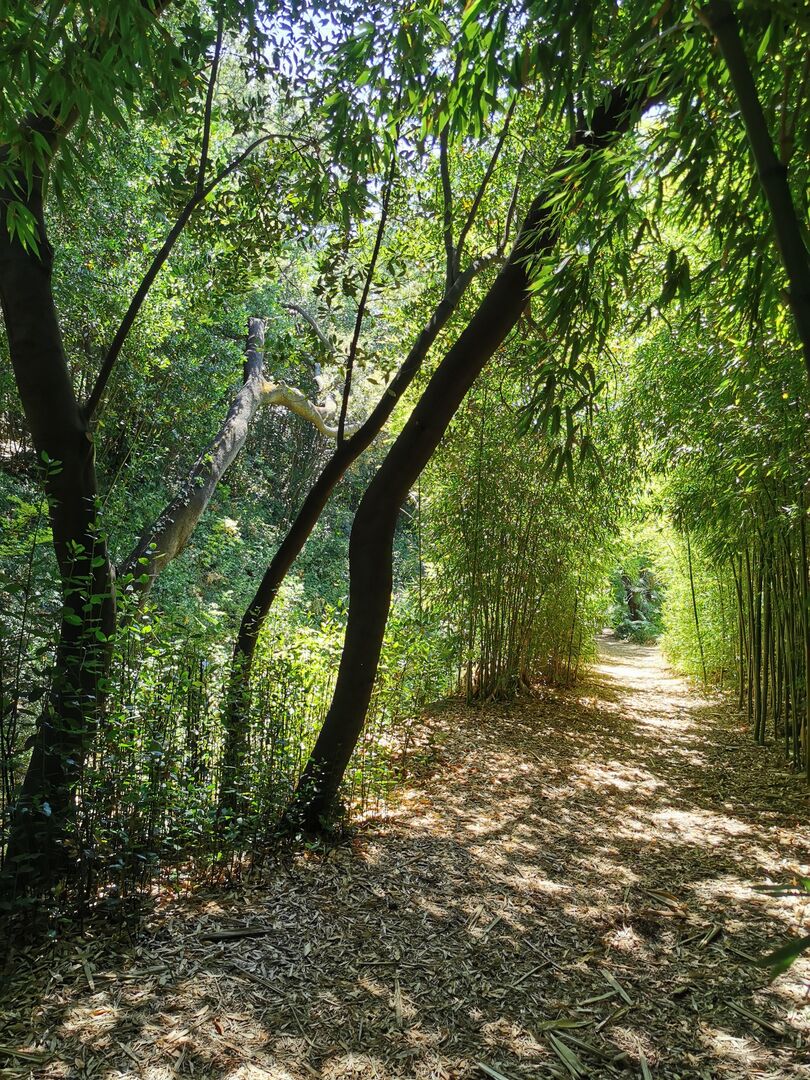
(568,893)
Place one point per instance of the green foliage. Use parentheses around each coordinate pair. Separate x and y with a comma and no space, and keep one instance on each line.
(780,960)
(658,342)
(708,646)
(150,812)
(636,600)
(515,559)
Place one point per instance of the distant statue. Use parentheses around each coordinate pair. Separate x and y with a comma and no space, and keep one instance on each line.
(630,594)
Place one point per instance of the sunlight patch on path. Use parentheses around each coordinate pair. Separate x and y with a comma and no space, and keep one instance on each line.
(578,866)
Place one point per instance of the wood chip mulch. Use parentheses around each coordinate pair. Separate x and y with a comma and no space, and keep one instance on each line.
(571,892)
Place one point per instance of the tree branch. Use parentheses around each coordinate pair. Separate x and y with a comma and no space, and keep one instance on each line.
(361,308)
(309,512)
(510,213)
(169,533)
(719,17)
(447,210)
(158,261)
(296,401)
(482,187)
(315,326)
(209,106)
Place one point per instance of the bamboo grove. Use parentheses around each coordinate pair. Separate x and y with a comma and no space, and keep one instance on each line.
(342,343)
(742,499)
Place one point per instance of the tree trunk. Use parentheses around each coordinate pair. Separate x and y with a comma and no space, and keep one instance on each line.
(789,230)
(238,692)
(767,650)
(804,593)
(698,634)
(370,547)
(167,537)
(740,633)
(749,592)
(36,853)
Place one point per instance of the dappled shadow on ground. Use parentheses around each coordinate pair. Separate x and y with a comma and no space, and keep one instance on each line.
(570,889)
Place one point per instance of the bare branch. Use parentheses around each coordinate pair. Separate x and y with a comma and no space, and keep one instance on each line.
(289,397)
(315,326)
(361,309)
(451,262)
(209,106)
(510,213)
(482,187)
(166,537)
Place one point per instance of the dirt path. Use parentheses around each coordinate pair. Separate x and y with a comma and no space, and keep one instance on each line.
(577,867)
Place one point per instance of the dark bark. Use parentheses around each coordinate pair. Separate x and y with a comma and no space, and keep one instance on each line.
(238,693)
(740,632)
(767,649)
(59,430)
(749,594)
(719,16)
(37,853)
(757,646)
(630,597)
(370,548)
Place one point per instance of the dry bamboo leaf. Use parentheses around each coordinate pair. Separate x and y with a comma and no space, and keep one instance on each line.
(760,1020)
(598,997)
(562,1023)
(23,1055)
(614,983)
(614,1016)
(123,976)
(493,1073)
(665,897)
(88,974)
(126,1049)
(713,932)
(587,1047)
(240,932)
(567,1057)
(528,974)
(744,955)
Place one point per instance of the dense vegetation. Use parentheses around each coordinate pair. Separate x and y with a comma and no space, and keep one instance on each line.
(355,357)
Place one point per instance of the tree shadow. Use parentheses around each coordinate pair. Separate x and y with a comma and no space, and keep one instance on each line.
(578,867)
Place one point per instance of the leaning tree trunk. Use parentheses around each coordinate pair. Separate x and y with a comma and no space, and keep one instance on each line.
(789,230)
(238,693)
(371,544)
(37,852)
(166,538)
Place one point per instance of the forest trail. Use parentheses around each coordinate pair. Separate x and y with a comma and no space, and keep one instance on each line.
(577,866)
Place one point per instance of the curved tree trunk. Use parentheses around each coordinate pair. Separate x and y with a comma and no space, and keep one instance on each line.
(371,544)
(238,692)
(36,854)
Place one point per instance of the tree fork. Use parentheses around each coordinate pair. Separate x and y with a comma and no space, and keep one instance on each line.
(370,547)
(237,696)
(165,538)
(61,436)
